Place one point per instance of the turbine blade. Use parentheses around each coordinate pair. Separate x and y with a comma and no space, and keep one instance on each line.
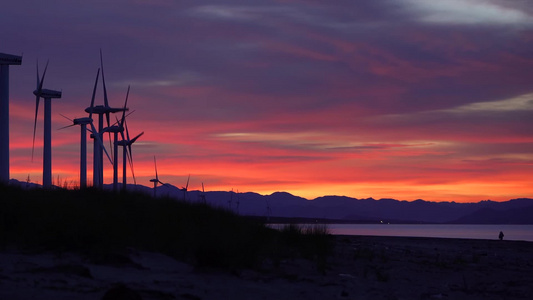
(107,154)
(129,155)
(123,118)
(37,86)
(110,140)
(155,165)
(106,103)
(127,132)
(122,131)
(133,175)
(42,78)
(203,191)
(66,126)
(130,159)
(94,93)
(135,138)
(187,185)
(97,137)
(117,122)
(125,107)
(66,118)
(108,118)
(35,125)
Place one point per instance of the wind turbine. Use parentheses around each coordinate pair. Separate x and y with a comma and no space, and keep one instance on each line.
(230,199)
(184,189)
(201,196)
(268,210)
(5,61)
(156,179)
(126,143)
(47,95)
(238,202)
(116,129)
(100,110)
(83,122)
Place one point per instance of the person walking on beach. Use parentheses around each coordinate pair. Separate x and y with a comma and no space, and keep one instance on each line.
(501,235)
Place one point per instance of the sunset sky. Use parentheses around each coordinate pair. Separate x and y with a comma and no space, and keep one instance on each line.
(401,99)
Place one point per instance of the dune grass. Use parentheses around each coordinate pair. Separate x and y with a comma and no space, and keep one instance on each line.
(96,222)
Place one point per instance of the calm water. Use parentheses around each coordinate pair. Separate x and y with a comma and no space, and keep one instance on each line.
(512,232)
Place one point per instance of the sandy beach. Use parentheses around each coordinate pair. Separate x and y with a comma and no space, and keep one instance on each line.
(361,267)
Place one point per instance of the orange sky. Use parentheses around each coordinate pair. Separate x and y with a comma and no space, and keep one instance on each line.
(384,99)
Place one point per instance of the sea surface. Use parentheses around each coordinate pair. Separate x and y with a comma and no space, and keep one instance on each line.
(511,232)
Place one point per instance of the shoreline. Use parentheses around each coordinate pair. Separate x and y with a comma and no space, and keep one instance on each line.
(360,267)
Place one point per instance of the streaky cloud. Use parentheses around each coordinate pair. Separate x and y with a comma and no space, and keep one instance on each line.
(468,12)
(518,103)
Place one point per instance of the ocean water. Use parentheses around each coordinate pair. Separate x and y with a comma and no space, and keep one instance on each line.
(511,232)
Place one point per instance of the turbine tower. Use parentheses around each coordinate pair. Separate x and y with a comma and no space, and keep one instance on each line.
(47,95)
(5,61)
(100,110)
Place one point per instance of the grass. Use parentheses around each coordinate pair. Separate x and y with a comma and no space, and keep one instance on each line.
(99,223)
(311,242)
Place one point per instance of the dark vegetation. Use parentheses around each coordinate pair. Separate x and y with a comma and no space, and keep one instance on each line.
(101,224)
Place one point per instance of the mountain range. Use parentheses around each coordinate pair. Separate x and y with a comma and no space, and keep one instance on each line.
(284,207)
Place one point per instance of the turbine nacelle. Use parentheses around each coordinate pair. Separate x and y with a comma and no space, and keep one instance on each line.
(9,59)
(47,94)
(101,109)
(114,129)
(82,121)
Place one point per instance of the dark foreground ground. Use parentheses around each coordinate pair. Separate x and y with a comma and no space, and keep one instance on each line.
(361,267)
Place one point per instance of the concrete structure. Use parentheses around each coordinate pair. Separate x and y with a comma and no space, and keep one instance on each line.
(47,95)
(5,61)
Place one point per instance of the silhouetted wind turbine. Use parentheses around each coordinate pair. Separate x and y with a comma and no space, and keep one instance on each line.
(5,61)
(184,188)
(127,155)
(156,179)
(47,95)
(83,147)
(238,201)
(116,129)
(230,199)
(268,210)
(83,122)
(100,110)
(201,196)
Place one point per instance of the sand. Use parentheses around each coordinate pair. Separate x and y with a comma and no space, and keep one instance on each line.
(362,267)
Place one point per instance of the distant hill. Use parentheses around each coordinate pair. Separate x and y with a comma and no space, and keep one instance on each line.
(491,216)
(346,209)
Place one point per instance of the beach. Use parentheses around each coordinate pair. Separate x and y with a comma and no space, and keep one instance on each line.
(359,267)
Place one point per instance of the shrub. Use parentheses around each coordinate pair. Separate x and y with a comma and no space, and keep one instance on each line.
(96,222)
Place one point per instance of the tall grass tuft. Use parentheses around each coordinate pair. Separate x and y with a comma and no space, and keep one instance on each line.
(95,222)
(311,241)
